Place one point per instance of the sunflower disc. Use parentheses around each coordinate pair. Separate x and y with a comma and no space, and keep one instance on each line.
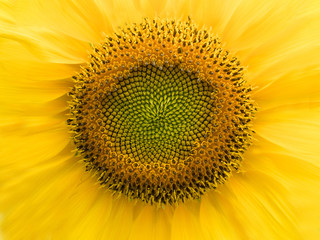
(161,112)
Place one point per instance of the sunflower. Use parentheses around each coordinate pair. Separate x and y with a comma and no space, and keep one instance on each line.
(160,119)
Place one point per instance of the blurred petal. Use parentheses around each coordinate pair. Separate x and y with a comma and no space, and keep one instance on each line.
(294,127)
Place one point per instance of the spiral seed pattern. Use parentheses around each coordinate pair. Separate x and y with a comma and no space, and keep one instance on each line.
(161,112)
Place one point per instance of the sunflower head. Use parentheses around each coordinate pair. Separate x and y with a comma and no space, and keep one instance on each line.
(156,136)
(161,112)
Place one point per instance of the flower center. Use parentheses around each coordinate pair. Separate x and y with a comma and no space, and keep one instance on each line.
(155,115)
(161,112)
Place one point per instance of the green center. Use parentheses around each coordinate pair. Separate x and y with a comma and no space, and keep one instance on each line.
(158,114)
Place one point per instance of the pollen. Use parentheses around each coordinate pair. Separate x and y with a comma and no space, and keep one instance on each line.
(161,112)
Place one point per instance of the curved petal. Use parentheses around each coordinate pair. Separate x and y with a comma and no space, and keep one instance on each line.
(294,127)
(254,204)
(47,45)
(82,19)
(186,224)
(293,87)
(152,223)
(66,205)
(299,178)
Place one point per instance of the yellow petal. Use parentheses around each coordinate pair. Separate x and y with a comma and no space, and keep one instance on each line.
(152,223)
(299,178)
(66,205)
(256,204)
(48,45)
(294,127)
(82,20)
(294,87)
(29,146)
(218,219)
(186,224)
